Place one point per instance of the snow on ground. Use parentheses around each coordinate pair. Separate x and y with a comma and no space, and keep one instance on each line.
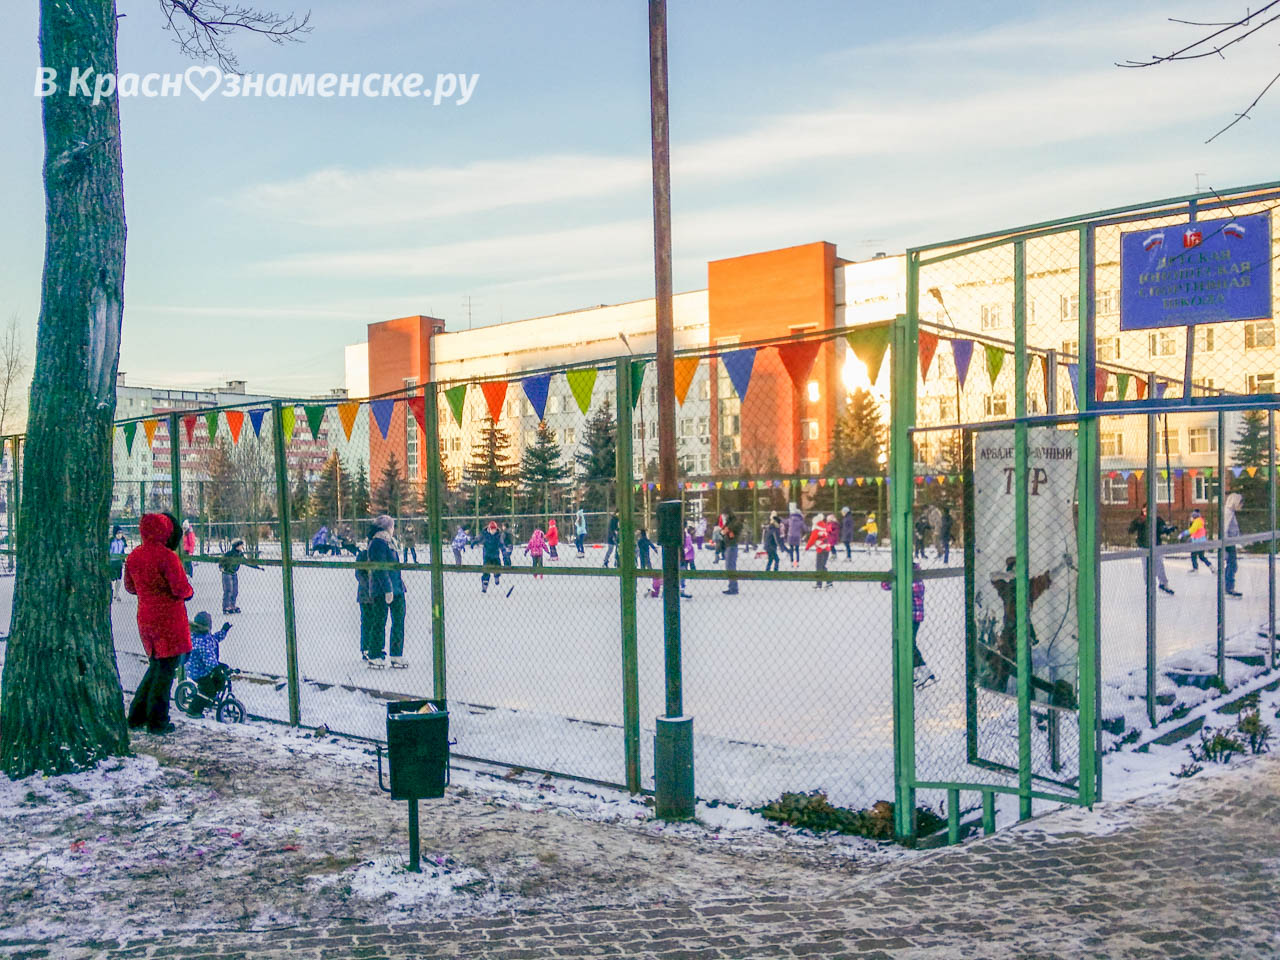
(790,687)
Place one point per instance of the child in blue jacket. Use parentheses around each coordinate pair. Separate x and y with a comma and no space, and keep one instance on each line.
(202,663)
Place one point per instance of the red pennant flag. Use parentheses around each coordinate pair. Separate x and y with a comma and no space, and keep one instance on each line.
(235,422)
(798,358)
(418,404)
(495,392)
(927,343)
(1142,388)
(1100,389)
(189,424)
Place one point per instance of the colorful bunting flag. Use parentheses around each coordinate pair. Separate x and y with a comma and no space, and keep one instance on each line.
(1073,374)
(418,404)
(1100,386)
(637,380)
(1138,474)
(189,424)
(926,346)
(149,427)
(1252,471)
(211,423)
(995,360)
(347,416)
(535,391)
(1161,387)
(288,416)
(130,431)
(1122,385)
(1140,384)
(255,420)
(495,392)
(738,364)
(314,412)
(686,367)
(456,397)
(1236,471)
(581,384)
(381,411)
(235,423)
(869,345)
(798,360)
(962,353)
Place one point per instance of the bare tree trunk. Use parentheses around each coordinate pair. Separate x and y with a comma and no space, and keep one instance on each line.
(61,706)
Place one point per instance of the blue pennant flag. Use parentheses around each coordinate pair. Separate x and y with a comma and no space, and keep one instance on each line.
(255,418)
(738,364)
(381,410)
(962,351)
(1073,374)
(535,388)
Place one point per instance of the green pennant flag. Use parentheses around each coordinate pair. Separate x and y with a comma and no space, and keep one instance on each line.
(211,421)
(637,379)
(315,418)
(582,381)
(1122,385)
(456,396)
(995,360)
(130,431)
(869,345)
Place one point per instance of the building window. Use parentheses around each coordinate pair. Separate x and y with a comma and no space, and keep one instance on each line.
(686,427)
(1202,386)
(704,389)
(1069,307)
(1112,444)
(1162,344)
(1115,490)
(704,426)
(992,316)
(1071,347)
(809,429)
(809,466)
(1167,443)
(1108,302)
(455,444)
(1204,489)
(1202,440)
(1204,338)
(1108,348)
(530,438)
(410,437)
(1164,489)
(1259,334)
(553,404)
(996,405)
(1260,383)
(946,408)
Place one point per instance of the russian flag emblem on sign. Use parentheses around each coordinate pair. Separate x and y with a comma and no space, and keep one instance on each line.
(1233,229)
(1152,242)
(1192,237)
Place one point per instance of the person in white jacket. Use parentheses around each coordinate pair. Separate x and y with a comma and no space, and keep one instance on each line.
(1231,528)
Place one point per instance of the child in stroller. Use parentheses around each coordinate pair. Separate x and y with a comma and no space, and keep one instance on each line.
(208,682)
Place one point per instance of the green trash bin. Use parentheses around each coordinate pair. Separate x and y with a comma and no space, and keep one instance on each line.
(418,748)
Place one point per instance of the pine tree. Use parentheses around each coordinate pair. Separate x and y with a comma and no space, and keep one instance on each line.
(489,474)
(597,459)
(300,500)
(360,493)
(857,438)
(394,495)
(542,473)
(1252,449)
(331,498)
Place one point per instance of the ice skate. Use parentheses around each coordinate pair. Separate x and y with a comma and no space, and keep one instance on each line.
(399,663)
(1166,589)
(923,677)
(377,663)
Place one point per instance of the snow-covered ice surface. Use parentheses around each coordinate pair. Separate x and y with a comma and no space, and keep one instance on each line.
(790,687)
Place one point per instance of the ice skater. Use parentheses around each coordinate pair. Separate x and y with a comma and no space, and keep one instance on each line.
(795,534)
(847,531)
(580,533)
(820,540)
(386,588)
(700,532)
(644,547)
(943,548)
(230,565)
(553,539)
(1197,534)
(611,541)
(873,532)
(1138,529)
(922,531)
(1231,526)
(921,675)
(534,549)
(364,598)
(508,544)
(772,542)
(461,540)
(491,555)
(188,546)
(732,534)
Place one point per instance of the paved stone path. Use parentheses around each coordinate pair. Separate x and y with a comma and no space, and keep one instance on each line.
(1195,874)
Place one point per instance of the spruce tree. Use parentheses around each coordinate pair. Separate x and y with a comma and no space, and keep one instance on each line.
(300,500)
(331,499)
(597,459)
(489,474)
(542,472)
(393,495)
(1252,449)
(857,438)
(360,494)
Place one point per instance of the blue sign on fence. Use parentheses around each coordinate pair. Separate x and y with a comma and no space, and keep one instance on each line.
(1203,272)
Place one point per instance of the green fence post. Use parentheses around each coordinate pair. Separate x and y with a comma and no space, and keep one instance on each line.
(627,580)
(988,812)
(286,565)
(1021,523)
(175,470)
(953,815)
(1222,583)
(1149,562)
(1271,547)
(902,359)
(435,539)
(1087,472)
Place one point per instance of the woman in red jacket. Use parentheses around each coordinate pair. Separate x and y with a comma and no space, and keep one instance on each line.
(154,573)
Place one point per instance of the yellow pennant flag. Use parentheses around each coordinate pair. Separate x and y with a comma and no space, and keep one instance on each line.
(347,414)
(287,415)
(685,368)
(150,427)
(1251,471)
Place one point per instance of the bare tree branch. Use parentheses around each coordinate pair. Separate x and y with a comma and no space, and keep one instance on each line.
(13,368)
(1213,44)
(202,28)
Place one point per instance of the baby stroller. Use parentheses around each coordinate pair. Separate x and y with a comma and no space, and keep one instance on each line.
(227,709)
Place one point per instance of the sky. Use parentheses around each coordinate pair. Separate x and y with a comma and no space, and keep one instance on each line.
(265,233)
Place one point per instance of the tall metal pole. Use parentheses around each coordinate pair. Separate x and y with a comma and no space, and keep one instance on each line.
(673,745)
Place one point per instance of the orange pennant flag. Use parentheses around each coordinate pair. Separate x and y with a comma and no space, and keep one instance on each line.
(1141,384)
(347,414)
(150,427)
(927,344)
(235,423)
(686,367)
(495,392)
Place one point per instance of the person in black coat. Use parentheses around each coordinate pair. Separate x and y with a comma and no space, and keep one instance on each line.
(491,555)
(773,541)
(1138,528)
(944,536)
(386,594)
(611,548)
